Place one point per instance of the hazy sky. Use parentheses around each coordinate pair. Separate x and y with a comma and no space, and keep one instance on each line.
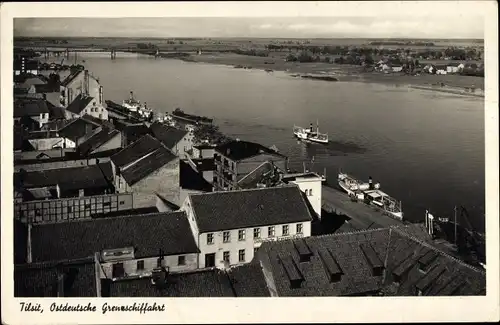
(330,27)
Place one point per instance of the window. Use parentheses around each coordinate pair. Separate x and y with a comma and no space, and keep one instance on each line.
(70,209)
(256,233)
(310,192)
(241,255)
(122,202)
(241,235)
(140,265)
(285,230)
(270,231)
(210,239)
(181,260)
(226,257)
(118,270)
(299,228)
(226,236)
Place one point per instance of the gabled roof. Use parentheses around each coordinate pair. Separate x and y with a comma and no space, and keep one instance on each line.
(136,150)
(238,150)
(353,257)
(70,78)
(74,178)
(79,104)
(42,280)
(28,107)
(151,235)
(77,128)
(97,140)
(147,165)
(249,208)
(168,135)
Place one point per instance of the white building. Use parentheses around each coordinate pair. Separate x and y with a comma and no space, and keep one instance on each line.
(311,184)
(229,226)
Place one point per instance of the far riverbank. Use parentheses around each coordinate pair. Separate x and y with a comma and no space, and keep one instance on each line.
(455,84)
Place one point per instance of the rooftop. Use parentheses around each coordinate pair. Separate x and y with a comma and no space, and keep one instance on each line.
(75,178)
(43,280)
(79,103)
(219,211)
(132,132)
(70,78)
(136,150)
(168,135)
(55,112)
(47,88)
(238,150)
(372,262)
(241,281)
(97,140)
(150,234)
(78,128)
(147,164)
(256,176)
(27,107)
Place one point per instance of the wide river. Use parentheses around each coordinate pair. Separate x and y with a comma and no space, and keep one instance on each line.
(425,148)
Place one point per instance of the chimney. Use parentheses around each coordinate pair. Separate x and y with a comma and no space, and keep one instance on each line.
(370,183)
(332,268)
(29,256)
(372,259)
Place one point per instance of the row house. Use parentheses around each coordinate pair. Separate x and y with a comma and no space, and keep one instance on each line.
(235,159)
(126,246)
(178,141)
(146,168)
(229,226)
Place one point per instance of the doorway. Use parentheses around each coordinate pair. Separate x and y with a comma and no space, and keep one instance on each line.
(210,260)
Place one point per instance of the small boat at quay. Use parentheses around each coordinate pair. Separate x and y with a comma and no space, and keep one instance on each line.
(135,105)
(370,193)
(310,135)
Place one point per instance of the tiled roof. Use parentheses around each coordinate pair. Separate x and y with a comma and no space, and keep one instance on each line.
(190,179)
(79,103)
(147,165)
(237,150)
(96,141)
(249,208)
(136,150)
(93,176)
(149,234)
(168,135)
(205,283)
(30,107)
(77,128)
(42,280)
(248,280)
(352,258)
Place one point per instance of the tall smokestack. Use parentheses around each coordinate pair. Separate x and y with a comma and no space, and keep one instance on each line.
(370,182)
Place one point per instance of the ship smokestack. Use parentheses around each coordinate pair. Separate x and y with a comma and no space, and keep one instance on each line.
(311,127)
(370,182)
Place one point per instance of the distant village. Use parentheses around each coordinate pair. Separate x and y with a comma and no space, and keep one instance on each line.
(108,204)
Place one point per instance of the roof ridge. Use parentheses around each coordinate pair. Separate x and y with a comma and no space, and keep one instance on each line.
(246,190)
(142,215)
(435,249)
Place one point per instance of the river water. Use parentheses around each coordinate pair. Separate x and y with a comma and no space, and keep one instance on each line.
(425,148)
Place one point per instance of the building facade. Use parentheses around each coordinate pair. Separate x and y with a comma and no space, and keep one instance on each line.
(229,226)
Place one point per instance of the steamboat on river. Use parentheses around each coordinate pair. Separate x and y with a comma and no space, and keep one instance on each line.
(310,135)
